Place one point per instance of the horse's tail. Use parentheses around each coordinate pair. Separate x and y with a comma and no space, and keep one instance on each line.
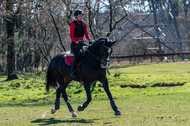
(50,80)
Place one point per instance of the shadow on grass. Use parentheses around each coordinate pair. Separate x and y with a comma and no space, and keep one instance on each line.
(55,121)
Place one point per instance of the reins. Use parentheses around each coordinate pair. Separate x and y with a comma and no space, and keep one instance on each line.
(101,60)
(94,55)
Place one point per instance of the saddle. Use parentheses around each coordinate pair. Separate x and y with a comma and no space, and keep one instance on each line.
(69,55)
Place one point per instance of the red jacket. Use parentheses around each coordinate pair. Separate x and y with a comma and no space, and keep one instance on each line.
(72,30)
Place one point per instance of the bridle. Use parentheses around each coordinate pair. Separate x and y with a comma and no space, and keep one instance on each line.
(101,59)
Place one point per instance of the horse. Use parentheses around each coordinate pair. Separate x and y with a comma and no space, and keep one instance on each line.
(92,68)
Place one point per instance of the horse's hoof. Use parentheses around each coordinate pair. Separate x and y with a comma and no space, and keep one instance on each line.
(73,114)
(80,108)
(117,112)
(53,110)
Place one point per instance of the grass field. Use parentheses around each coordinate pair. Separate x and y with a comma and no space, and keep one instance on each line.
(149,94)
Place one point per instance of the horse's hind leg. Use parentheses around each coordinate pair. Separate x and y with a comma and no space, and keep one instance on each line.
(64,95)
(57,101)
(58,93)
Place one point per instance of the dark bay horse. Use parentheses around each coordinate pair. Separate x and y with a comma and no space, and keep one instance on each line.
(92,68)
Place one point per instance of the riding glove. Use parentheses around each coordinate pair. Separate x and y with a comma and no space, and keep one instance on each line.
(81,43)
(90,42)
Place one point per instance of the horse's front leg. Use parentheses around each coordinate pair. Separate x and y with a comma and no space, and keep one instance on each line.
(106,88)
(85,104)
(93,85)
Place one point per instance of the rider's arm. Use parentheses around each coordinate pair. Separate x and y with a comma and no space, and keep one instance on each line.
(86,32)
(72,30)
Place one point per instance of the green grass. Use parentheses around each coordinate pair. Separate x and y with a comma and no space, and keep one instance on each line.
(136,110)
(179,67)
(162,98)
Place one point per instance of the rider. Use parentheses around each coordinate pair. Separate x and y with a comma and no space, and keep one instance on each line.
(78,29)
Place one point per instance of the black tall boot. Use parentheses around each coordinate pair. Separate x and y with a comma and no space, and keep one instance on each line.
(73,67)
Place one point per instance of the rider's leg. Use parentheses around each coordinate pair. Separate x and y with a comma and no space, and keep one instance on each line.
(75,49)
(74,63)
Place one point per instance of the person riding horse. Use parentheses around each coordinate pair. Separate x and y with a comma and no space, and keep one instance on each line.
(78,29)
(92,68)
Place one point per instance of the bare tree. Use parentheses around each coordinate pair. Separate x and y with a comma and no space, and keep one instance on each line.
(11,15)
(103,18)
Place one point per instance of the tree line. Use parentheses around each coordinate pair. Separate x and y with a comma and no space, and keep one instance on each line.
(33,31)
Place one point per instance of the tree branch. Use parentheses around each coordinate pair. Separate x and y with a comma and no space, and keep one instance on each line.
(56,27)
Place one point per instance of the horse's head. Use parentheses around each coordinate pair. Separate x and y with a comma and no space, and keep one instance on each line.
(102,48)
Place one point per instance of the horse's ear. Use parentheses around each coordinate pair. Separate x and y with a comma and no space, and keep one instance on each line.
(114,42)
(109,44)
(106,41)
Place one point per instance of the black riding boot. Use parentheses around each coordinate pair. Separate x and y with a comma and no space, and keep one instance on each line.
(73,67)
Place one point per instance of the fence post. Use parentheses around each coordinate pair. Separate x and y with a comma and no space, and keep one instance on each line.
(151,58)
(173,58)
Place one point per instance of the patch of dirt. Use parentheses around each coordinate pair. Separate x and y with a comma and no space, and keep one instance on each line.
(133,86)
(107,123)
(155,85)
(166,85)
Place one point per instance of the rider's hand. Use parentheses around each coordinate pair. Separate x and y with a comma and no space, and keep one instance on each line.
(90,42)
(80,43)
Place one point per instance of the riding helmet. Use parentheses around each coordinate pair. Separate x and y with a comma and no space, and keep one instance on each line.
(77,12)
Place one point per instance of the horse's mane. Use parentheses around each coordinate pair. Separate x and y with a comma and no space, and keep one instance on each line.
(95,44)
(98,42)
(101,40)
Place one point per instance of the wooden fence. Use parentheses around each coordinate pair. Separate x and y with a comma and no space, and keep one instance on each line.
(152,57)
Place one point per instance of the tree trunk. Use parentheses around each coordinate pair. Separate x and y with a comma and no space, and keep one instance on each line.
(10,41)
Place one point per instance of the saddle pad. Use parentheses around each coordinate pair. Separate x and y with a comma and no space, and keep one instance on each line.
(69,59)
